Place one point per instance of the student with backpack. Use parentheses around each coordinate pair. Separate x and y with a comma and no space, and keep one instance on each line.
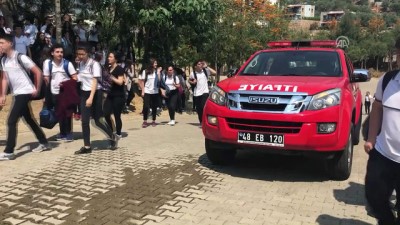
(383,146)
(115,100)
(150,84)
(199,82)
(90,74)
(59,70)
(170,83)
(17,69)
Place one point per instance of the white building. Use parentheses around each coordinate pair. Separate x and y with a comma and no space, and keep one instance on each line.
(298,12)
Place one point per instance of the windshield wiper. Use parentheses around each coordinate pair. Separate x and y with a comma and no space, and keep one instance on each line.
(286,74)
(249,74)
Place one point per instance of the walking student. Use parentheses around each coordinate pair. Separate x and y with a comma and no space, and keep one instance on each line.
(149,83)
(59,70)
(171,85)
(383,146)
(367,102)
(115,100)
(91,99)
(23,89)
(199,81)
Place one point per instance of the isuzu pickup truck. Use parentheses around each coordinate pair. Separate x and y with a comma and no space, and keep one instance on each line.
(295,97)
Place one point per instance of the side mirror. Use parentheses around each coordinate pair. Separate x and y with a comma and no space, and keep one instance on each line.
(361,76)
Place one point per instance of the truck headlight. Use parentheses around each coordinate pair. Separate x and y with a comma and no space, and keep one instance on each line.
(218,96)
(325,99)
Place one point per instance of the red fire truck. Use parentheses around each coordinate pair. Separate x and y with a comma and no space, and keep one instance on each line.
(296,97)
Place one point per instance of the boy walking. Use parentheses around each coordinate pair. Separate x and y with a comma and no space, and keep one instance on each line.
(23,89)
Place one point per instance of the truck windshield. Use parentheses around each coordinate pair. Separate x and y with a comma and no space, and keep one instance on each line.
(294,63)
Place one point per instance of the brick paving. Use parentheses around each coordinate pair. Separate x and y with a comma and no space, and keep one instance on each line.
(161,176)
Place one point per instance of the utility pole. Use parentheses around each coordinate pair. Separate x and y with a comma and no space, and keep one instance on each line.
(57,17)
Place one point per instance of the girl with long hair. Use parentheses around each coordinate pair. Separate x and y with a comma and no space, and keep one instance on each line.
(149,82)
(115,100)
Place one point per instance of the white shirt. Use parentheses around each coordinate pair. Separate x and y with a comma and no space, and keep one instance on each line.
(94,36)
(169,81)
(81,33)
(368,98)
(21,43)
(58,74)
(31,31)
(149,87)
(7,30)
(18,79)
(43,28)
(87,71)
(388,141)
(202,83)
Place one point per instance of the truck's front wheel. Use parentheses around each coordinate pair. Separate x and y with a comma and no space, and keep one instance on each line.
(339,168)
(217,154)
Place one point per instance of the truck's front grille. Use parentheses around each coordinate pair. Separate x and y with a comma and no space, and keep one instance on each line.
(264,125)
(259,107)
(273,102)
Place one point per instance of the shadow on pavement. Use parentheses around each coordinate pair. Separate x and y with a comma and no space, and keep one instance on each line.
(77,136)
(262,166)
(27,148)
(330,220)
(353,195)
(194,124)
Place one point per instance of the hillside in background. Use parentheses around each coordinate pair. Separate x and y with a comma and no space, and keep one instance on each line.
(363,10)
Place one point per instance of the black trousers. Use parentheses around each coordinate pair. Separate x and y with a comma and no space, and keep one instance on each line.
(150,101)
(96,112)
(172,101)
(66,123)
(21,107)
(382,176)
(130,96)
(114,105)
(367,107)
(200,102)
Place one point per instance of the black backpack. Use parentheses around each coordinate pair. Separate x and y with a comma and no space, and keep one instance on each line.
(386,79)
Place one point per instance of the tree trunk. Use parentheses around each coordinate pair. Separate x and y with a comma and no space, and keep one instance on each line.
(377,63)
(58,20)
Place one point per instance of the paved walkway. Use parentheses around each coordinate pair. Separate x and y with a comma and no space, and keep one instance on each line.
(161,176)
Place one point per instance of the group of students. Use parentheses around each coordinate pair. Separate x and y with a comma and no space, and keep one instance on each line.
(22,77)
(157,84)
(62,78)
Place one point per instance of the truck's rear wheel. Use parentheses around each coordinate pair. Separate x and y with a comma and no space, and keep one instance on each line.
(339,168)
(217,154)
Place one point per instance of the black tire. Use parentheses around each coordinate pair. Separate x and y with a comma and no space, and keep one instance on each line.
(217,154)
(357,131)
(339,168)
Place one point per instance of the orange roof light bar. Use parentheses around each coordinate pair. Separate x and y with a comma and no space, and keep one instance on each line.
(317,43)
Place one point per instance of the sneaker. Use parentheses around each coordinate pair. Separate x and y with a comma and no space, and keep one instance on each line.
(118,136)
(69,137)
(83,150)
(145,124)
(159,111)
(7,156)
(172,122)
(61,137)
(114,142)
(41,148)
(153,124)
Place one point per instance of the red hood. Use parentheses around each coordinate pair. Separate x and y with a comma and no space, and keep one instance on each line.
(306,84)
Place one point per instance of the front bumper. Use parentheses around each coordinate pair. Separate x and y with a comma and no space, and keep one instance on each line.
(304,138)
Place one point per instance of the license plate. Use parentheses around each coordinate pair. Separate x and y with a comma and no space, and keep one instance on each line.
(275,140)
